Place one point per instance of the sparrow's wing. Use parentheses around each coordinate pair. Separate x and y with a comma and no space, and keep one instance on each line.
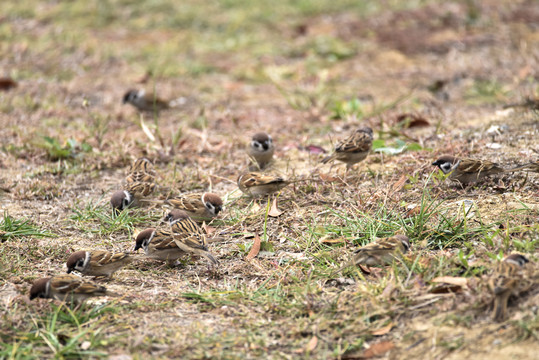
(356,143)
(71,283)
(100,258)
(163,240)
(190,203)
(478,166)
(381,246)
(505,278)
(256,179)
(141,171)
(139,189)
(187,229)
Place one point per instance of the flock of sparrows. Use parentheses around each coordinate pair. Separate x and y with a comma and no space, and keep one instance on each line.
(179,234)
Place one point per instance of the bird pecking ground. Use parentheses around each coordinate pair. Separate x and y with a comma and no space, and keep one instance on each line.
(429,77)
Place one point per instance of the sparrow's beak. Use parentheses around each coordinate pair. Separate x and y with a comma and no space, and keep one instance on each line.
(69,271)
(435,163)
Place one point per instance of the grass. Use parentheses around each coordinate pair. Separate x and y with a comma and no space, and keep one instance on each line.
(307,72)
(11,228)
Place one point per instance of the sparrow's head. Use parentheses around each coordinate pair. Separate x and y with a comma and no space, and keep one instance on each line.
(143,238)
(120,200)
(516,259)
(213,203)
(40,288)
(405,241)
(175,215)
(366,130)
(131,96)
(261,142)
(446,163)
(78,261)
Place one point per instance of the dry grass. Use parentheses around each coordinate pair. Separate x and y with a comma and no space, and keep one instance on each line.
(308,73)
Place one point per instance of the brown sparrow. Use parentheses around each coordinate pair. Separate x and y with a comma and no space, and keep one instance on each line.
(181,238)
(353,149)
(468,171)
(69,288)
(140,182)
(261,149)
(188,236)
(159,244)
(97,262)
(256,184)
(143,102)
(200,207)
(380,252)
(507,280)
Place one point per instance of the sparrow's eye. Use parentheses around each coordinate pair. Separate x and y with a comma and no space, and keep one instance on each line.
(210,207)
(125,203)
(257,145)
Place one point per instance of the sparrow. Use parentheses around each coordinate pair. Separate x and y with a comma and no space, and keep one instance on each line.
(380,252)
(188,236)
(145,103)
(507,280)
(141,171)
(97,262)
(199,206)
(261,149)
(256,184)
(468,171)
(140,182)
(69,288)
(181,238)
(353,149)
(158,244)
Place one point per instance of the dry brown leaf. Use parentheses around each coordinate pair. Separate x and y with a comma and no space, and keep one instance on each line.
(255,249)
(7,83)
(451,280)
(274,211)
(333,241)
(378,349)
(311,345)
(399,184)
(208,229)
(328,177)
(383,330)
(412,120)
(365,269)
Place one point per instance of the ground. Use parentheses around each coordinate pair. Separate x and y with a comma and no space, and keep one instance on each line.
(429,77)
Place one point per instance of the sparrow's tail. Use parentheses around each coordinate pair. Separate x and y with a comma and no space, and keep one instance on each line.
(210,257)
(532,166)
(500,307)
(327,159)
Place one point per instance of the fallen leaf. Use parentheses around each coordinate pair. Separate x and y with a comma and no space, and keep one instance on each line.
(7,83)
(328,177)
(412,120)
(383,330)
(399,184)
(333,241)
(255,249)
(208,229)
(274,211)
(313,149)
(311,345)
(365,269)
(388,290)
(452,280)
(146,130)
(377,349)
